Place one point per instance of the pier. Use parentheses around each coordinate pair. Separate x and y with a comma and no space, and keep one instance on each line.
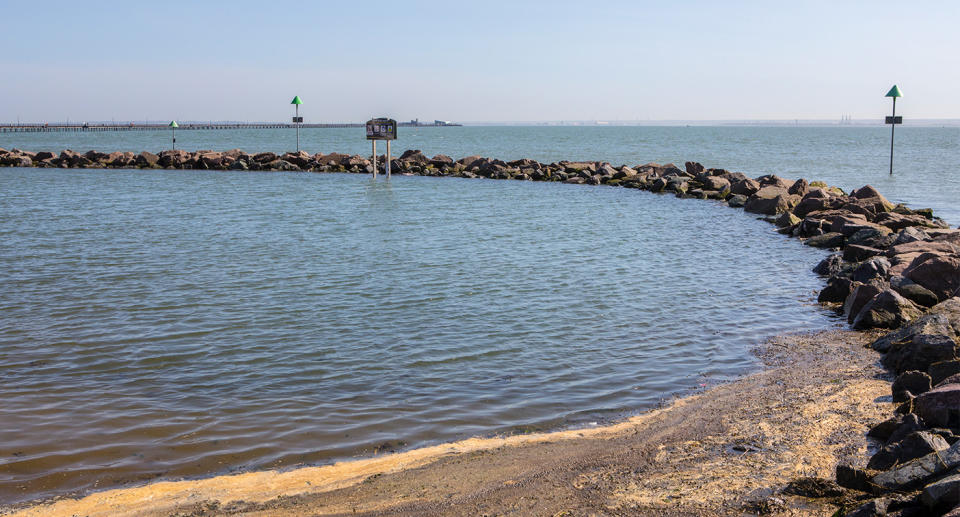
(61,128)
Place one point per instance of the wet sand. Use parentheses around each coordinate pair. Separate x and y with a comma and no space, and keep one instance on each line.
(725,451)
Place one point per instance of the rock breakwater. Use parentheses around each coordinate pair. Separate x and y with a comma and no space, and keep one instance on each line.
(892,267)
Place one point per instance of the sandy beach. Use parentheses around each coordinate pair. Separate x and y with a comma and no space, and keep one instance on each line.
(724,451)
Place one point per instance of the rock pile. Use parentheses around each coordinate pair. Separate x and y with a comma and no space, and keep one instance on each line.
(892,268)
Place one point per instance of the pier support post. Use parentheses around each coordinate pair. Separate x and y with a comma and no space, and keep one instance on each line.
(388,158)
(374,142)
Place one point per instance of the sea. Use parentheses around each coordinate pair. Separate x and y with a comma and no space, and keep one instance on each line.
(160,324)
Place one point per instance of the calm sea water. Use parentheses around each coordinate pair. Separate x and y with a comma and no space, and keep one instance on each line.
(161,324)
(927,159)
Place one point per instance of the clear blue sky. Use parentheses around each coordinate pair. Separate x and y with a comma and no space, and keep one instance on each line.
(477,61)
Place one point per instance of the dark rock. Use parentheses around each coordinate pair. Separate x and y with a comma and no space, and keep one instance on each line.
(813,487)
(943,370)
(854,478)
(857,253)
(147,160)
(918,294)
(914,445)
(944,493)
(811,227)
(940,274)
(953,379)
(887,310)
(737,201)
(771,200)
(940,407)
(944,319)
(909,424)
(414,156)
(872,269)
(917,471)
(772,180)
(715,183)
(914,381)
(869,236)
(897,222)
(883,430)
(827,240)
(837,290)
(860,295)
(817,200)
(799,188)
(829,266)
(44,155)
(786,219)
(911,234)
(868,193)
(745,187)
(920,352)
(693,168)
(873,508)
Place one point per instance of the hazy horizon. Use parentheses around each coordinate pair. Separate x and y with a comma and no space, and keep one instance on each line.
(495,62)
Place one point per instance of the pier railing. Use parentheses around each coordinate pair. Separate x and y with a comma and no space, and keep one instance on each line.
(52,128)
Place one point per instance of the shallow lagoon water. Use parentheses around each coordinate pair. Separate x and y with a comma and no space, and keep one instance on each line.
(161,324)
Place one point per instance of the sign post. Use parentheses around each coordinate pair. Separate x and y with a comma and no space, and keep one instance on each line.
(381,129)
(297,119)
(893,120)
(173,130)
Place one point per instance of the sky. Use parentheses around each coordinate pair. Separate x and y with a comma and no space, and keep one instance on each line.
(477,61)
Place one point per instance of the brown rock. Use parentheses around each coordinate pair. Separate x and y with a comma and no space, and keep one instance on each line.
(938,273)
(940,407)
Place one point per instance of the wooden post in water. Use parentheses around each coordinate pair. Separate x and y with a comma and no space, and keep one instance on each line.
(388,158)
(374,142)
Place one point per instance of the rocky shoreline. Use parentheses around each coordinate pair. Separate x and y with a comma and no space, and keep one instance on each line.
(894,268)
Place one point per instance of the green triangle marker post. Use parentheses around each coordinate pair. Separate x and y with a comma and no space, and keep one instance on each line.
(892,119)
(173,130)
(296,117)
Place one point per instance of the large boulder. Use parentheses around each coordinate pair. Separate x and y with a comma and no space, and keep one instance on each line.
(912,291)
(915,445)
(875,268)
(887,310)
(938,273)
(913,382)
(147,160)
(943,494)
(860,295)
(943,319)
(915,472)
(817,200)
(857,253)
(414,157)
(919,352)
(871,194)
(745,187)
(771,200)
(827,240)
(940,407)
(837,290)
(829,266)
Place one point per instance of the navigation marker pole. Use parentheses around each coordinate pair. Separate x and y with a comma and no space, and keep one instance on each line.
(173,130)
(297,119)
(388,158)
(893,120)
(374,142)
